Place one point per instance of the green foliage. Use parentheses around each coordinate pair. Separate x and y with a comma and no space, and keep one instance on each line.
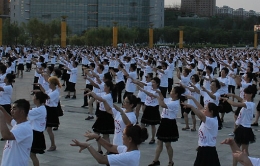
(215,31)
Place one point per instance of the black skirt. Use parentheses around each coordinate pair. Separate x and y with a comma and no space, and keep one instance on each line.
(207,156)
(52,117)
(225,107)
(20,67)
(151,115)
(168,130)
(38,144)
(244,135)
(104,123)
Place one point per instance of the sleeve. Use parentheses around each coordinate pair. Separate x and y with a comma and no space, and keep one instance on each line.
(115,112)
(249,105)
(171,106)
(254,161)
(33,114)
(7,89)
(217,96)
(209,122)
(53,95)
(20,133)
(118,159)
(132,118)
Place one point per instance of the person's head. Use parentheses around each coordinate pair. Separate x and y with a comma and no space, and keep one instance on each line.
(195,78)
(164,65)
(20,109)
(186,72)
(211,110)
(75,64)
(40,98)
(120,66)
(234,65)
(57,72)
(130,102)
(249,92)
(224,72)
(49,69)
(100,68)
(107,77)
(132,67)
(215,85)
(249,69)
(2,69)
(92,66)
(43,65)
(156,82)
(108,86)
(9,78)
(176,92)
(209,69)
(8,64)
(54,82)
(248,77)
(134,134)
(149,77)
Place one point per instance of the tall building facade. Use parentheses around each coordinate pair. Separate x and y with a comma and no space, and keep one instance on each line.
(201,8)
(84,14)
(4,7)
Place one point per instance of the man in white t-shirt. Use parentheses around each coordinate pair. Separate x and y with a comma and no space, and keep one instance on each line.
(19,138)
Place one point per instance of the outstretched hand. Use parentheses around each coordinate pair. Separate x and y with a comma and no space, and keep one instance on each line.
(228,141)
(80,144)
(91,135)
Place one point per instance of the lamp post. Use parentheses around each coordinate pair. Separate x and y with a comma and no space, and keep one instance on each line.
(115,34)
(151,35)
(63,31)
(181,37)
(255,40)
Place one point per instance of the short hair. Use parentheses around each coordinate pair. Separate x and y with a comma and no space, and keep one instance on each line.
(225,69)
(217,83)
(42,97)
(23,105)
(157,80)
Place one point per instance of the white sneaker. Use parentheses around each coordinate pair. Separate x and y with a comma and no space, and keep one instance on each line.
(231,134)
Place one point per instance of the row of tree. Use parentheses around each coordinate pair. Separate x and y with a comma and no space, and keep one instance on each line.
(38,33)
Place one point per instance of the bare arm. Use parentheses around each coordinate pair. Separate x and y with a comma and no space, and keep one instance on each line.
(123,115)
(5,132)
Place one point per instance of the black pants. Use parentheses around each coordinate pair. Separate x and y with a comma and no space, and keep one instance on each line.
(85,92)
(35,81)
(163,91)
(117,95)
(170,83)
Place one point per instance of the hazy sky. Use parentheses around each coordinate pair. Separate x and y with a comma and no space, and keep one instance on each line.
(246,4)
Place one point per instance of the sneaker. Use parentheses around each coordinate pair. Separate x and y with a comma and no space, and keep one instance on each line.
(254,124)
(154,163)
(84,106)
(67,97)
(231,134)
(89,118)
(74,97)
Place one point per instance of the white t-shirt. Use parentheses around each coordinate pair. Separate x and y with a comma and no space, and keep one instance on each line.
(164,78)
(254,161)
(6,95)
(208,99)
(17,152)
(124,158)
(108,98)
(141,94)
(73,75)
(231,80)
(206,83)
(130,86)
(37,118)
(54,97)
(151,101)
(172,110)
(119,76)
(243,86)
(195,95)
(223,89)
(208,132)
(120,125)
(245,116)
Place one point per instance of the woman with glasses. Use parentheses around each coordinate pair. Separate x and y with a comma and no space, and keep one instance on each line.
(194,90)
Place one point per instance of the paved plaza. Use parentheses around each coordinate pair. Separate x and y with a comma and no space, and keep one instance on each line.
(73,126)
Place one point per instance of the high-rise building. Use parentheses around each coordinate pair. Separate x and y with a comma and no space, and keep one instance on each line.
(224,11)
(4,7)
(84,14)
(201,8)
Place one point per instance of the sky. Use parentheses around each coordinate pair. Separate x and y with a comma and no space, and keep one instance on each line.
(235,4)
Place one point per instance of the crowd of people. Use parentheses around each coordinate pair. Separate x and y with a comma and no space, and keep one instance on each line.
(206,89)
